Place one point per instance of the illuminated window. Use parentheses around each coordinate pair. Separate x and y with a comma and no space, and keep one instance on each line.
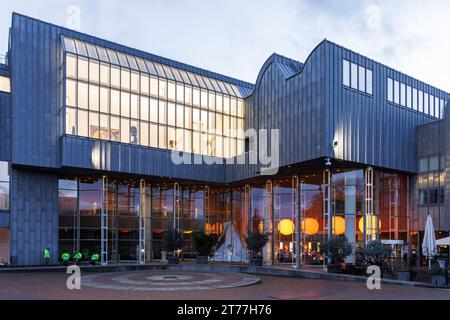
(125,79)
(226,104)
(204,99)
(188,117)
(71,121)
(403,94)
(134,106)
(83,69)
(180,93)
(134,132)
(125,130)
(171,138)
(115,129)
(94,92)
(5,84)
(219,103)
(153,135)
(71,93)
(162,137)
(187,141)
(115,77)
(153,110)
(82,123)
(180,116)
(104,127)
(154,86)
(112,102)
(94,121)
(104,74)
(104,100)
(188,95)
(94,72)
(145,109)
(163,89)
(426,102)
(196,97)
(83,93)
(124,105)
(115,102)
(71,66)
(144,134)
(162,112)
(145,84)
(171,90)
(171,114)
(134,82)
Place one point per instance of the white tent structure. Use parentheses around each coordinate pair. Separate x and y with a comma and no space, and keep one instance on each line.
(230,247)
(443,242)
(429,240)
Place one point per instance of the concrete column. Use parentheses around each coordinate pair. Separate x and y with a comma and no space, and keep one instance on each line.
(350,212)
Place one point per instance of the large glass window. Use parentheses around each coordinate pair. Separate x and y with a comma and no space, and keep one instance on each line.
(107,98)
(354,78)
(346,73)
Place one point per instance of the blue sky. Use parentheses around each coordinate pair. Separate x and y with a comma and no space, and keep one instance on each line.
(236,37)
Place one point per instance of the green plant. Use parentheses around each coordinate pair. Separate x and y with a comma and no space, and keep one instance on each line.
(436,269)
(256,241)
(337,249)
(204,243)
(173,240)
(375,253)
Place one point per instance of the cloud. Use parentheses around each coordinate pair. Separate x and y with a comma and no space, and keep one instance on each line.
(236,37)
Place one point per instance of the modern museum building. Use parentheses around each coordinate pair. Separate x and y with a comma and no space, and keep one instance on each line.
(104,148)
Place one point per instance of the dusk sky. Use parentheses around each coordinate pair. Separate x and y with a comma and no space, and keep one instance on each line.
(236,37)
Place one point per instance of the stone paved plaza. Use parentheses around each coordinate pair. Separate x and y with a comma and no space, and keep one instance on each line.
(136,285)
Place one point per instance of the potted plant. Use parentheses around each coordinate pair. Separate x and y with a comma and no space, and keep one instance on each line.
(336,250)
(203,244)
(375,253)
(94,259)
(438,274)
(77,257)
(173,242)
(65,258)
(256,241)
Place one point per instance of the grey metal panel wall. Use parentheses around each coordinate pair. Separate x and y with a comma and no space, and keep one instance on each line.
(34,66)
(124,158)
(34,216)
(5,126)
(295,106)
(4,220)
(368,129)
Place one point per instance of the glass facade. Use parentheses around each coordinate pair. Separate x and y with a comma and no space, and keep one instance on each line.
(114,96)
(365,205)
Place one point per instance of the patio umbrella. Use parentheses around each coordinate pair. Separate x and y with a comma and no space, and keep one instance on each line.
(429,240)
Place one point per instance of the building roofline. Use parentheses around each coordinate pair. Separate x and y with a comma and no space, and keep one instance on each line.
(144,54)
